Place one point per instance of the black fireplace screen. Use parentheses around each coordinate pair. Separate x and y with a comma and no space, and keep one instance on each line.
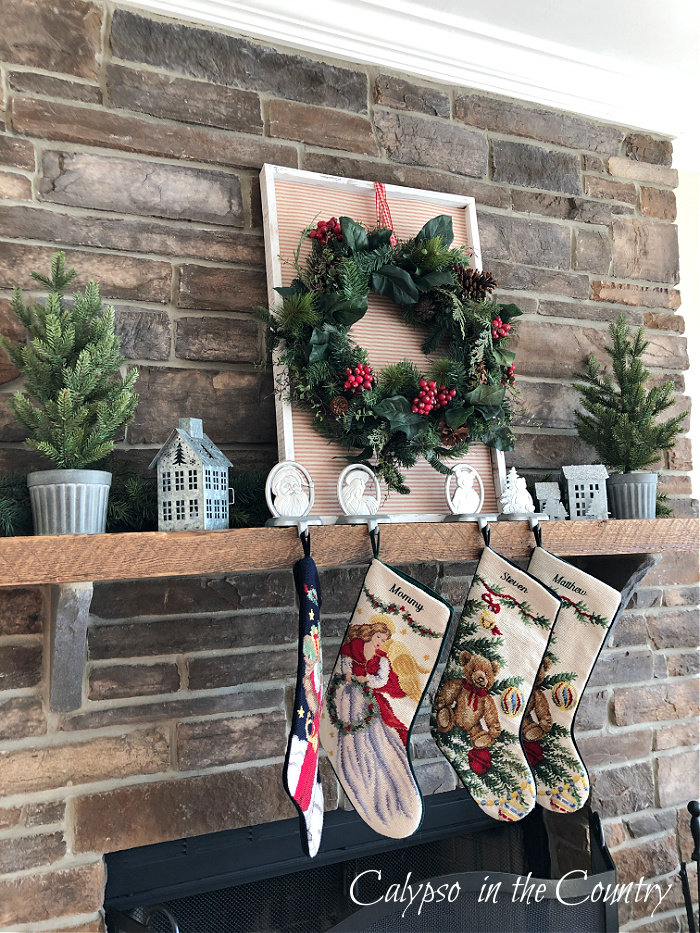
(353,870)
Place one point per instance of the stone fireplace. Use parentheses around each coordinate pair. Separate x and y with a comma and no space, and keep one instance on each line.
(182,723)
(182,733)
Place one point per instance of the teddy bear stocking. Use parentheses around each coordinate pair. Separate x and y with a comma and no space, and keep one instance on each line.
(588,610)
(300,774)
(499,644)
(389,651)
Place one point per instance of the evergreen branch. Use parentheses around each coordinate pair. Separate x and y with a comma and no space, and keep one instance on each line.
(550,682)
(581,610)
(524,609)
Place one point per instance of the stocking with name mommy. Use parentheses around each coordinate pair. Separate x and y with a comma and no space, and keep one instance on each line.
(388,654)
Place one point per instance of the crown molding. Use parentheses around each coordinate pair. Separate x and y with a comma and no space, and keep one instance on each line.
(404,36)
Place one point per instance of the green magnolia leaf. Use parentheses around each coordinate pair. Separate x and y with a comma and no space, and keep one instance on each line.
(433,279)
(342,311)
(486,395)
(362,457)
(455,417)
(439,226)
(508,312)
(397,411)
(317,347)
(354,234)
(296,288)
(396,284)
(379,238)
(500,439)
(504,357)
(487,399)
(349,312)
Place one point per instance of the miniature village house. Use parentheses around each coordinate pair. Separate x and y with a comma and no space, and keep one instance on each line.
(588,498)
(193,489)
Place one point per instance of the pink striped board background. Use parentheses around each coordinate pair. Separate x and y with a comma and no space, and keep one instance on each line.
(383,333)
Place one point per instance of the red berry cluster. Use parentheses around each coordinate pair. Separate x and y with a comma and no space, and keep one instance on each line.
(429,397)
(327,230)
(499,329)
(359,380)
(509,376)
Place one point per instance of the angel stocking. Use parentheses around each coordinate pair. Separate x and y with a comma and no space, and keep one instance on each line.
(388,653)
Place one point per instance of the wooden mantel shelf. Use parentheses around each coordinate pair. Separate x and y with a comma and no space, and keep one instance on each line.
(90,558)
(69,565)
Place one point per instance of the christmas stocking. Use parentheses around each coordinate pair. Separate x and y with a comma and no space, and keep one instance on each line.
(301,778)
(499,644)
(390,648)
(587,612)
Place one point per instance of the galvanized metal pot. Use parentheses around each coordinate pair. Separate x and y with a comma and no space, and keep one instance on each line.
(632,495)
(69,502)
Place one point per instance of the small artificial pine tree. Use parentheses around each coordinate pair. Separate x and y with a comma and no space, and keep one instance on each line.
(621,424)
(75,400)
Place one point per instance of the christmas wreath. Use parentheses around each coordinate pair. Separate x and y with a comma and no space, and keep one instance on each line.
(369,711)
(400,414)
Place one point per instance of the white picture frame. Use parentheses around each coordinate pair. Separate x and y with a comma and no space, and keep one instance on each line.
(285,194)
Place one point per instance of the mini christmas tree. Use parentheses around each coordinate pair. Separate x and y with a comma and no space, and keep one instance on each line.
(622,421)
(74,400)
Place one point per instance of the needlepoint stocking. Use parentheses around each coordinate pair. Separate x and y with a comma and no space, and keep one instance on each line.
(500,640)
(588,610)
(388,653)
(301,779)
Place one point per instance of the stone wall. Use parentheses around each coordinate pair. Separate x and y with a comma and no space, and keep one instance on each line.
(135,144)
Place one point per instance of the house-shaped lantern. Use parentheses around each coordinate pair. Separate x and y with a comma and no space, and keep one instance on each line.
(193,491)
(588,496)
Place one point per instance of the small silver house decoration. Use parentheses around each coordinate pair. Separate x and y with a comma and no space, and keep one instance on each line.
(588,498)
(549,497)
(193,490)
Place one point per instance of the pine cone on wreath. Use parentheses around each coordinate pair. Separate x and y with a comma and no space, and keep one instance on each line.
(425,309)
(450,437)
(476,286)
(481,373)
(339,405)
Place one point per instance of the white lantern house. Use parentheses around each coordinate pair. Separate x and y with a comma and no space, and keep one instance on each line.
(587,491)
(192,476)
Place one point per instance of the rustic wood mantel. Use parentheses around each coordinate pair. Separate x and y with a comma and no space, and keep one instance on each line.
(89,558)
(69,565)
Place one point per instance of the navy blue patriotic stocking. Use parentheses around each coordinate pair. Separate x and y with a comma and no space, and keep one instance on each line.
(301,778)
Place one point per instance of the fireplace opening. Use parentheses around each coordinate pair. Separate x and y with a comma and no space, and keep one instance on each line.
(257,880)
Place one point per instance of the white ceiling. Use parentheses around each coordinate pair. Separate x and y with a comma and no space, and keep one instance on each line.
(633,62)
(639,31)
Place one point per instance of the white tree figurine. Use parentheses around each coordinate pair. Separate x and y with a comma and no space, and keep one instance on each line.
(598,507)
(515,498)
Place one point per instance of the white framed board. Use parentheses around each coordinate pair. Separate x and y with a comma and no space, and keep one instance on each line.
(292,199)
